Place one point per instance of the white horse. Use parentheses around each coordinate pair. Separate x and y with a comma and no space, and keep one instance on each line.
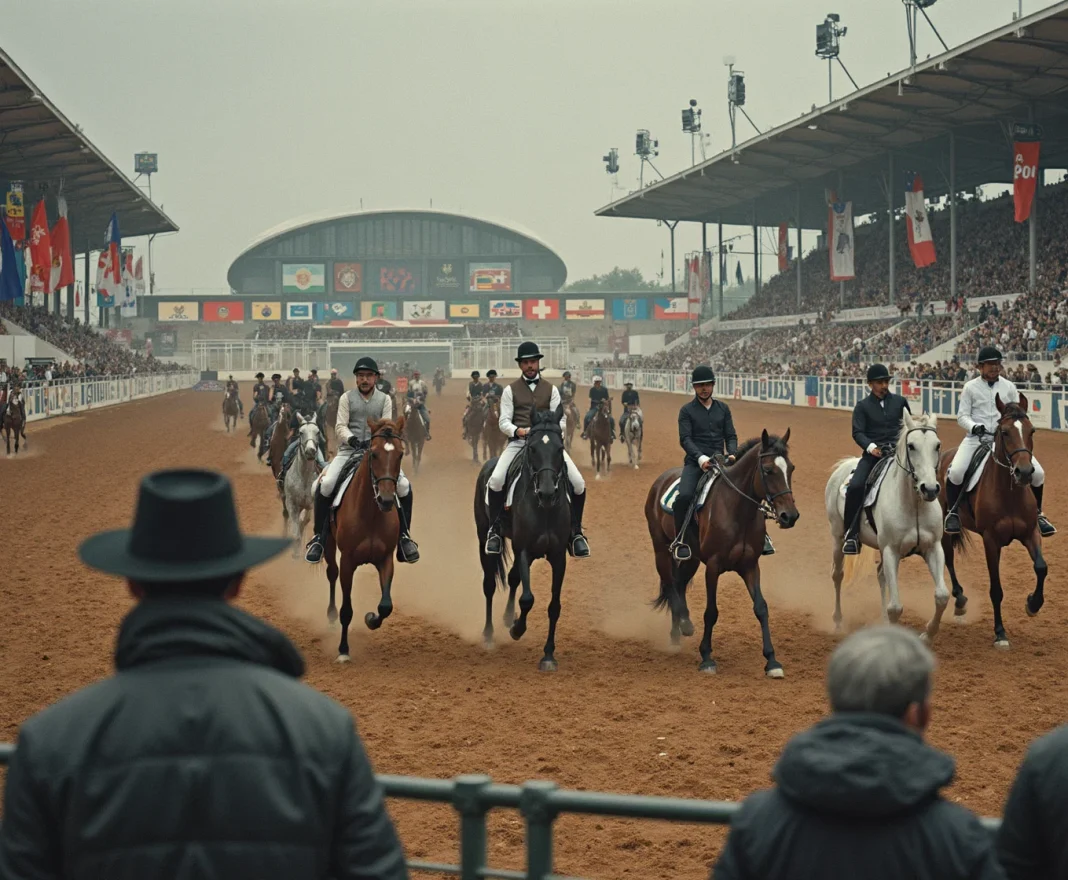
(908,518)
(299,494)
(632,436)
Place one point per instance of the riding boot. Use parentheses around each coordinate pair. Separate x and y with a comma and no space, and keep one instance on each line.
(407,549)
(952,524)
(1044,525)
(494,541)
(680,547)
(853,502)
(322,513)
(580,547)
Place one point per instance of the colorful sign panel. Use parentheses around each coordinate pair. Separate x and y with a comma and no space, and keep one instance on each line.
(465,310)
(398,277)
(541,309)
(303,278)
(446,277)
(584,309)
(505,308)
(630,309)
(348,277)
(178,311)
(299,311)
(381,309)
(424,310)
(489,277)
(335,311)
(224,311)
(674,308)
(266,311)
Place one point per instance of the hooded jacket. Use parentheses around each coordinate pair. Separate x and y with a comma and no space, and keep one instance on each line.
(857,795)
(203,756)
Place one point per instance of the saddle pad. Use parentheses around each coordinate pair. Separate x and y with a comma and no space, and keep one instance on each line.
(346,477)
(509,485)
(667,500)
(873,490)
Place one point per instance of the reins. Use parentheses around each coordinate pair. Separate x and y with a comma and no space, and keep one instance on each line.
(764,505)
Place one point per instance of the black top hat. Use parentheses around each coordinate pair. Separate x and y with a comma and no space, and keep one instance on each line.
(366,363)
(184,529)
(528,350)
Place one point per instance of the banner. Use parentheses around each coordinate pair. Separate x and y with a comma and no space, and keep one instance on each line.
(178,311)
(840,231)
(120,337)
(15,214)
(139,278)
(303,278)
(339,310)
(505,308)
(921,239)
(491,277)
(674,308)
(784,248)
(424,310)
(1024,177)
(464,310)
(584,309)
(445,277)
(299,311)
(266,311)
(541,309)
(630,309)
(40,251)
(693,287)
(369,310)
(399,277)
(348,278)
(224,310)
(128,302)
(62,260)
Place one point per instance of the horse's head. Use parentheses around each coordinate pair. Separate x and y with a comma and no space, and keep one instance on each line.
(545,453)
(384,458)
(605,406)
(776,469)
(1014,440)
(918,451)
(308,437)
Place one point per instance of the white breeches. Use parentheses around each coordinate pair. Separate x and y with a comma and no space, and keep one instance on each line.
(514,447)
(966,450)
(328,481)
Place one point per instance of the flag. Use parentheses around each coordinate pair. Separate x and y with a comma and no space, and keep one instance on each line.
(114,244)
(670,308)
(706,272)
(139,278)
(10,287)
(693,288)
(921,241)
(62,261)
(128,299)
(108,293)
(541,309)
(1024,177)
(784,248)
(40,251)
(584,309)
(840,235)
(630,309)
(77,295)
(738,274)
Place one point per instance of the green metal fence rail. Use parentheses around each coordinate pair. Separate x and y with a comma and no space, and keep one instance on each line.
(540,803)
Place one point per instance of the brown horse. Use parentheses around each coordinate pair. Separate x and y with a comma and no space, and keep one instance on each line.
(1002,509)
(327,420)
(414,432)
(572,418)
(13,422)
(493,439)
(731,532)
(600,434)
(259,419)
(367,527)
(474,423)
(280,440)
(230,410)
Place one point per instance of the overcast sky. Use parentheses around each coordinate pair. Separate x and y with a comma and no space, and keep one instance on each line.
(264,110)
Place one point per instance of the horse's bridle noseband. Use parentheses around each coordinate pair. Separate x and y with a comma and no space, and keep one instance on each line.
(908,466)
(549,428)
(1010,457)
(375,479)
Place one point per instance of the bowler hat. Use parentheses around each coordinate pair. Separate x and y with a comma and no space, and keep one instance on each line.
(528,350)
(184,529)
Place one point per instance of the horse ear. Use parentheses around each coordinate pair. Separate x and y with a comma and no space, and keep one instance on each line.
(558,413)
(372,424)
(1023,401)
(908,420)
(400,424)
(786,436)
(998,403)
(764,438)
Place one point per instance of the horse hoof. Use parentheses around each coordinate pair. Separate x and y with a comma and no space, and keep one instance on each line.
(926,639)
(516,632)
(343,658)
(707,666)
(597,476)
(372,620)
(488,643)
(686,627)
(547,665)
(635,467)
(1031,612)
(1001,644)
(775,672)
(331,615)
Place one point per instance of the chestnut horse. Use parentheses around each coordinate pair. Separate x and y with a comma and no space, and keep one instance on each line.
(414,431)
(230,410)
(600,434)
(366,527)
(493,439)
(731,533)
(280,440)
(1002,509)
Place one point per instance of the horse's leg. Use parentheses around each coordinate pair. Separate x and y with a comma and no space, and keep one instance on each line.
(707,664)
(936,564)
(880,572)
(347,572)
(680,612)
(772,667)
(993,566)
(559,564)
(959,599)
(1034,548)
(837,563)
(891,561)
(513,585)
(526,599)
(489,587)
(385,602)
(330,554)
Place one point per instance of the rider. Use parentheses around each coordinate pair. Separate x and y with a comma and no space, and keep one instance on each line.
(520,400)
(13,390)
(335,385)
(294,384)
(261,393)
(291,450)
(491,388)
(977,413)
(630,398)
(417,393)
(353,433)
(567,388)
(474,392)
(385,386)
(597,393)
(277,396)
(231,385)
(312,390)
(876,425)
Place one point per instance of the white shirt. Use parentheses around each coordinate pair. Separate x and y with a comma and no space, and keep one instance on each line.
(977,405)
(418,386)
(505,422)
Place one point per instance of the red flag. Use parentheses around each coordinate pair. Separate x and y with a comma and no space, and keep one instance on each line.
(78,295)
(918,222)
(784,255)
(40,251)
(1024,177)
(62,263)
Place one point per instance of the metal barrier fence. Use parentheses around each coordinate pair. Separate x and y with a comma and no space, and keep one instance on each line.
(65,396)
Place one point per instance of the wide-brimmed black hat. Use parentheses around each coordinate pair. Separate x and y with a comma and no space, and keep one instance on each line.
(184,529)
(366,363)
(528,350)
(988,353)
(877,372)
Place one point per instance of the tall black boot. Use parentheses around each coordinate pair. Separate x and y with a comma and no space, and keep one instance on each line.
(580,547)
(952,525)
(681,549)
(494,541)
(407,549)
(322,514)
(853,503)
(1044,525)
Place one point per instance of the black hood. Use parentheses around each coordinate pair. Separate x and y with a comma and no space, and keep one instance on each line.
(170,628)
(861,765)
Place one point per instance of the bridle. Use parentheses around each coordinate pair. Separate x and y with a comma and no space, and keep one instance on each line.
(384,434)
(528,465)
(766,505)
(1009,461)
(908,466)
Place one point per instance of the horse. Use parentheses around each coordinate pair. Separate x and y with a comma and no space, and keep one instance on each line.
(1001,509)
(326,418)
(906,522)
(13,422)
(366,527)
(600,434)
(230,410)
(538,526)
(731,534)
(571,418)
(259,419)
(474,422)
(298,497)
(493,438)
(632,434)
(414,432)
(280,439)
(439,383)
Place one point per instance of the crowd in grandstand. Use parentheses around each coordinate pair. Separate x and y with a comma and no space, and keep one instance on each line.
(284,330)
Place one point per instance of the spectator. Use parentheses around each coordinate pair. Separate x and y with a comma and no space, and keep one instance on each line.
(857,795)
(204,756)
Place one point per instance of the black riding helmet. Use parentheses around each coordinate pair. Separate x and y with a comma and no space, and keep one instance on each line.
(492,374)
(475,374)
(259,375)
(877,372)
(567,374)
(988,353)
(276,377)
(702,373)
(366,363)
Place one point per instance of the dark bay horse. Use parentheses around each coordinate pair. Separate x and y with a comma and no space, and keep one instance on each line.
(230,411)
(12,422)
(731,529)
(414,433)
(474,423)
(367,527)
(259,419)
(1002,509)
(600,434)
(538,526)
(492,439)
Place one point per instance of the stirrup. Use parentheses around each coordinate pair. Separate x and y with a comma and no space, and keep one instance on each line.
(681,551)
(315,550)
(494,543)
(579,546)
(407,549)
(769,548)
(851,547)
(952,524)
(1045,526)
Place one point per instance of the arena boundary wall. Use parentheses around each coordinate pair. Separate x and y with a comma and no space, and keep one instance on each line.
(62,397)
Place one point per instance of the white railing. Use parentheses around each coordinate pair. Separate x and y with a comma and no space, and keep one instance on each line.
(65,396)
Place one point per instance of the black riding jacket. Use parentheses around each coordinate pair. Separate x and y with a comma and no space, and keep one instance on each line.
(878,422)
(336,384)
(474,389)
(492,388)
(630,396)
(706,431)
(384,386)
(597,395)
(261,392)
(567,389)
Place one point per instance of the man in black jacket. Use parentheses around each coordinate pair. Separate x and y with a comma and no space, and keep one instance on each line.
(876,424)
(857,795)
(204,756)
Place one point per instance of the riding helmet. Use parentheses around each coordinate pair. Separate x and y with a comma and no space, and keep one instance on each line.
(988,353)
(475,374)
(276,377)
(492,374)
(368,364)
(528,350)
(878,371)
(259,375)
(567,374)
(702,374)
(597,379)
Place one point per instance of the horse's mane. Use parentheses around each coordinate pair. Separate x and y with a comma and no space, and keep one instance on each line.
(775,444)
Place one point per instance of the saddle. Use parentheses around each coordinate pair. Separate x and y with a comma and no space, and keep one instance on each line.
(976,466)
(704,486)
(510,480)
(348,471)
(874,482)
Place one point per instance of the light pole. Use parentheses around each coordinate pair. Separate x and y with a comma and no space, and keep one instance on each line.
(913,9)
(828,46)
(691,124)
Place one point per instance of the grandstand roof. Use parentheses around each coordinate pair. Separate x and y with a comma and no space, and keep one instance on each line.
(976,90)
(39,145)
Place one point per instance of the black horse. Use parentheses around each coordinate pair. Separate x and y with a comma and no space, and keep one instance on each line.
(538,526)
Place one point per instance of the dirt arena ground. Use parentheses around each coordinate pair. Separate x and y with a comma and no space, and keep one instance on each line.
(623,714)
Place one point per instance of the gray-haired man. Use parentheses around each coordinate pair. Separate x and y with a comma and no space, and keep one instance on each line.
(857,795)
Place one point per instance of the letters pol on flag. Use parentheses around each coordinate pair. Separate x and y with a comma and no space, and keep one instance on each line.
(921,241)
(1025,151)
(840,236)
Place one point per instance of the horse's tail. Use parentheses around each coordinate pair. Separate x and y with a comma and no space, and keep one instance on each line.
(500,570)
(667,594)
(960,542)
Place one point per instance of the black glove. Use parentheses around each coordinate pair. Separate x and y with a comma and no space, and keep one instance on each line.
(979,430)
(355,443)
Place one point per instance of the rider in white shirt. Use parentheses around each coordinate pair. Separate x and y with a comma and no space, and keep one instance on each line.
(977,413)
(417,393)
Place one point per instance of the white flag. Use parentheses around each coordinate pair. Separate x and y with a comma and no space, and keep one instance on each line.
(840,223)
